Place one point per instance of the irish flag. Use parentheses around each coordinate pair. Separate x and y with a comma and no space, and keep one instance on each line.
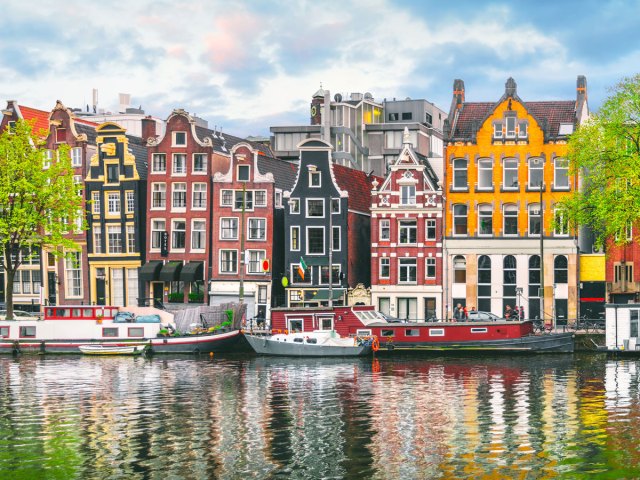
(302,267)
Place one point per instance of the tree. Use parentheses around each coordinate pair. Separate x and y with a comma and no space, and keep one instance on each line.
(605,152)
(39,201)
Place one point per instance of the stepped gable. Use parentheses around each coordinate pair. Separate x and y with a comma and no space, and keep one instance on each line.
(284,173)
(358,184)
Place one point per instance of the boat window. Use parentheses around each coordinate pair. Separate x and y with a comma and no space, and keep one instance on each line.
(4,332)
(136,332)
(295,325)
(436,332)
(109,332)
(88,313)
(312,340)
(62,312)
(27,332)
(412,332)
(478,330)
(297,340)
(363,332)
(76,313)
(50,312)
(387,333)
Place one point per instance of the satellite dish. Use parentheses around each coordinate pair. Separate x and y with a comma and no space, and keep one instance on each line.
(337,97)
(368,96)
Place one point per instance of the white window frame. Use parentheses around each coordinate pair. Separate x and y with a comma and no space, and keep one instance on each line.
(510,127)
(233,226)
(408,228)
(314,200)
(430,262)
(174,191)
(456,170)
(307,238)
(408,267)
(407,195)
(174,230)
(157,232)
(485,210)
(131,238)
(131,201)
(385,226)
(505,169)
(263,229)
(174,139)
(243,168)
(205,162)
(113,247)
(159,189)
(223,193)
(97,239)
(497,129)
(76,157)
(455,216)
(176,167)
(430,224)
(199,189)
(530,215)
(315,175)
(482,168)
(559,164)
(73,276)
(294,206)
(509,208)
(263,196)
(561,227)
(221,254)
(96,203)
(385,262)
(48,158)
(256,262)
(155,163)
(198,233)
(113,204)
(532,165)
(291,230)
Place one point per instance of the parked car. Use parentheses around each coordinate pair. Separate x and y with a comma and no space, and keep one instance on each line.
(18,315)
(482,316)
(391,319)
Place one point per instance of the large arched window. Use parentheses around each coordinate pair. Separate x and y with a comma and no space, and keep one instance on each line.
(560,274)
(534,287)
(484,283)
(459,269)
(460,174)
(485,174)
(536,169)
(509,282)
(510,174)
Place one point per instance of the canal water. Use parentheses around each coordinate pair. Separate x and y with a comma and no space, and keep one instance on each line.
(555,416)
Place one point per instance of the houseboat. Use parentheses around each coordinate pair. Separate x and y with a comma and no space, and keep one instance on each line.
(320,343)
(622,328)
(493,336)
(63,329)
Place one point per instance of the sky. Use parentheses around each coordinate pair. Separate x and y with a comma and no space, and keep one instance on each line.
(248,65)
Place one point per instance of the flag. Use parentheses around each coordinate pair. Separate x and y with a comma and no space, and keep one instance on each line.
(302,267)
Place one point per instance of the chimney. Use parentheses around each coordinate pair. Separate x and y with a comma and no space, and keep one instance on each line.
(582,108)
(458,97)
(510,88)
(148,128)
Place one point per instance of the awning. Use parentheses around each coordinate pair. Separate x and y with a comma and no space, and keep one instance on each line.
(171,272)
(192,272)
(323,294)
(150,271)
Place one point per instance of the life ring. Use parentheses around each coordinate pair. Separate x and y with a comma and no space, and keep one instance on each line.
(375,344)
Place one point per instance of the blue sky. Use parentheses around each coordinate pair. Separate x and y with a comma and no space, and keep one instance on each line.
(247,65)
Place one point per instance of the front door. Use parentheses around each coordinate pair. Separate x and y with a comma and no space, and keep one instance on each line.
(51,281)
(100,291)
(158,291)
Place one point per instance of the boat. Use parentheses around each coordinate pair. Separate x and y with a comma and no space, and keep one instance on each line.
(468,336)
(105,349)
(64,328)
(622,330)
(326,343)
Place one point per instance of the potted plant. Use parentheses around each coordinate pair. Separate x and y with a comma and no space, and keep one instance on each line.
(196,297)
(176,297)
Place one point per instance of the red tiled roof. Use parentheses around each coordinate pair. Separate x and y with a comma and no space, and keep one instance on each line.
(40,116)
(358,184)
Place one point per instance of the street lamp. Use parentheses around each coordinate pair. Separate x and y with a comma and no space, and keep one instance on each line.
(519,294)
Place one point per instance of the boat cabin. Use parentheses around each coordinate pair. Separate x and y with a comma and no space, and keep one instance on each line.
(622,326)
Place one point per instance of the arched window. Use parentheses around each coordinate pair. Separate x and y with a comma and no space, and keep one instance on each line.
(535,220)
(460,174)
(460,219)
(484,283)
(510,174)
(560,273)
(509,282)
(561,173)
(534,286)
(459,269)
(536,169)
(485,220)
(485,174)
(510,218)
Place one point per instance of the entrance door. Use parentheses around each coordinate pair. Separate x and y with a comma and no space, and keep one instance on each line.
(408,309)
(157,292)
(429,308)
(51,281)
(100,291)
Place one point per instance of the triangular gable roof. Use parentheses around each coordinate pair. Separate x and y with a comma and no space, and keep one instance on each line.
(40,117)
(417,159)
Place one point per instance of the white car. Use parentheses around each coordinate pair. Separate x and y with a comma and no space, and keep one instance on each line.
(483,317)
(18,315)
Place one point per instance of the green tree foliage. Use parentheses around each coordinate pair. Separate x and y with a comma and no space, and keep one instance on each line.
(605,151)
(40,204)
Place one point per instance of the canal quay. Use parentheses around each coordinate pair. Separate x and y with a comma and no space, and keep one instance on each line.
(388,417)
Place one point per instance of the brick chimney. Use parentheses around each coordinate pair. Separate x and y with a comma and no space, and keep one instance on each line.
(148,128)
(458,97)
(582,108)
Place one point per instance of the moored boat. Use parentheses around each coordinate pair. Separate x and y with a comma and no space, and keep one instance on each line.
(104,349)
(481,336)
(310,344)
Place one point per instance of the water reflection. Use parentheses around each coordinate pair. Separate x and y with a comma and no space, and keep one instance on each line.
(407,417)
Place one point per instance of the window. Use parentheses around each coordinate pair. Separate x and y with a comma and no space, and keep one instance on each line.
(199,163)
(226,198)
(158,227)
(394,117)
(260,198)
(179,197)
(198,235)
(560,273)
(179,139)
(509,281)
(278,199)
(407,231)
(459,219)
(295,238)
(315,240)
(73,275)
(485,174)
(408,195)
(335,240)
(385,230)
(245,201)
(561,173)
(430,267)
(4,332)
(314,178)
(485,220)
(114,234)
(243,173)
(255,261)
(257,229)
(228,228)
(484,283)
(27,332)
(335,205)
(228,261)
(634,317)
(158,195)
(411,332)
(428,118)
(622,273)
(95,202)
(131,239)
(178,234)
(113,203)
(48,156)
(131,202)
(407,270)
(459,269)
(497,130)
(522,129)
(135,332)
(407,115)
(294,205)
(113,173)
(511,127)
(460,174)
(510,219)
(109,332)
(536,166)
(315,207)
(534,219)
(385,267)
(97,239)
(534,286)
(159,163)
(179,163)
(510,174)
(199,195)
(561,223)
(76,157)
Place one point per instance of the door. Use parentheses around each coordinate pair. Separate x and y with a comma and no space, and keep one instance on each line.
(408,309)
(158,291)
(429,308)
(53,285)
(100,291)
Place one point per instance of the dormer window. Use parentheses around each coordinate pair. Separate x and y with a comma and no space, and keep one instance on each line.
(179,139)
(314,178)
(522,130)
(408,195)
(243,173)
(497,130)
(511,127)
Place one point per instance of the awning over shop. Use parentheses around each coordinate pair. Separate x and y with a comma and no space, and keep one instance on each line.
(171,272)
(192,272)
(323,294)
(150,271)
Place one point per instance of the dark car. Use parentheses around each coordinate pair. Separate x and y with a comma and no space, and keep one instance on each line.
(482,317)
(390,319)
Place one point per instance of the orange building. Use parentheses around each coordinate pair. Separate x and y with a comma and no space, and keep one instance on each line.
(506,169)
